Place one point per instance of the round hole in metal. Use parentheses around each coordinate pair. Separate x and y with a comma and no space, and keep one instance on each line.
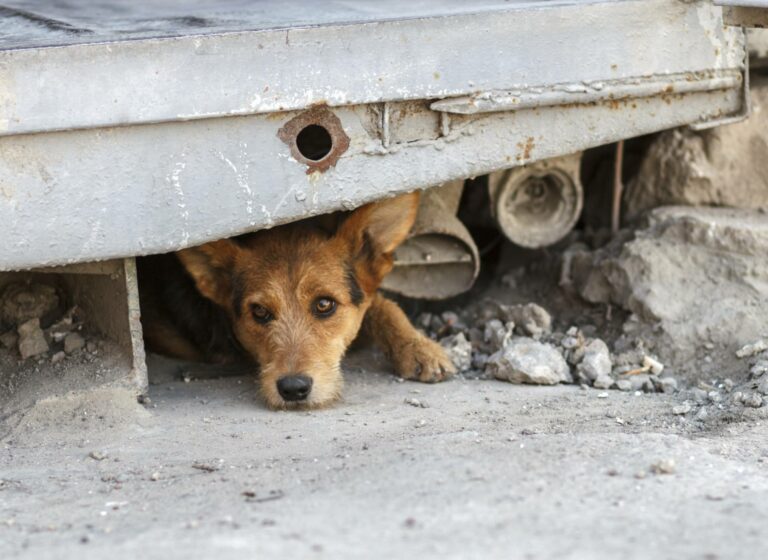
(314,142)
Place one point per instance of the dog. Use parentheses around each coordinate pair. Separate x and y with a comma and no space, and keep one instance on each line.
(292,299)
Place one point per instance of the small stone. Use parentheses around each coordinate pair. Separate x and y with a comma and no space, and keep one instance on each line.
(602,395)
(91,347)
(668,384)
(596,361)
(759,369)
(530,319)
(155,476)
(603,382)
(714,396)
(525,360)
(97,455)
(699,395)
(31,339)
(752,349)
(664,466)
(57,357)
(417,403)
(479,360)
(9,340)
(653,365)
(497,334)
(728,384)
(752,400)
(624,385)
(459,351)
(453,321)
(702,414)
(640,475)
(762,386)
(640,381)
(681,409)
(424,320)
(73,342)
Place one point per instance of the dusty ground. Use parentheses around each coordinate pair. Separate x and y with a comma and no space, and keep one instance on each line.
(487,470)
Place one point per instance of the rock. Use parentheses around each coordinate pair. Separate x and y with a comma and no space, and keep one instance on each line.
(459,350)
(596,362)
(9,340)
(753,400)
(479,360)
(20,302)
(31,339)
(417,403)
(681,409)
(758,369)
(530,319)
(57,357)
(641,382)
(73,342)
(716,167)
(524,360)
(603,382)
(624,385)
(453,322)
(749,350)
(672,271)
(762,386)
(667,385)
(497,334)
(699,395)
(664,466)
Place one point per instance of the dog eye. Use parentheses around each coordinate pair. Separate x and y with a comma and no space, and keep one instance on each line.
(324,307)
(261,314)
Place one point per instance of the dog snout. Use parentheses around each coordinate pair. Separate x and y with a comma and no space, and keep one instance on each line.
(294,387)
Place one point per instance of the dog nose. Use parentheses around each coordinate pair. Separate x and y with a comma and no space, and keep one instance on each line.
(294,387)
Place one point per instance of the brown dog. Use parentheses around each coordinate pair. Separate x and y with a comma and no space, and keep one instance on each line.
(291,298)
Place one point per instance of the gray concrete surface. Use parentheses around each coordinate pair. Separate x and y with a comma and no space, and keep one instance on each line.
(487,470)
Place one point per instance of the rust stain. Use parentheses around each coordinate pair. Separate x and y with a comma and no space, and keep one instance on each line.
(319,116)
(526,147)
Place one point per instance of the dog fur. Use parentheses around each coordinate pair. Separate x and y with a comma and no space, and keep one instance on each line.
(292,299)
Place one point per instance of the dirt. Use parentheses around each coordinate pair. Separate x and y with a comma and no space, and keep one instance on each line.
(723,166)
(486,470)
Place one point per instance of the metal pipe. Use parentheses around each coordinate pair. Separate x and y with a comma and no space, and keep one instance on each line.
(538,204)
(439,259)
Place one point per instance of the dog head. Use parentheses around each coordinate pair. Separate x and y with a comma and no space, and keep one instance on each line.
(297,295)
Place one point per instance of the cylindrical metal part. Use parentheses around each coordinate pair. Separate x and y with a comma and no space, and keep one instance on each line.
(538,204)
(439,259)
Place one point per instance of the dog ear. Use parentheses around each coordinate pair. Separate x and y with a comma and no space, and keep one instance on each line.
(375,230)
(210,266)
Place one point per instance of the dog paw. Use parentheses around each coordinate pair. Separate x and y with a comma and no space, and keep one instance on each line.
(423,360)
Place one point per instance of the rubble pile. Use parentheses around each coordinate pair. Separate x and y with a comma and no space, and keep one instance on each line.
(35,324)
(517,343)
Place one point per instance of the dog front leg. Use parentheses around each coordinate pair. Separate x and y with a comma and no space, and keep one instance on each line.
(414,355)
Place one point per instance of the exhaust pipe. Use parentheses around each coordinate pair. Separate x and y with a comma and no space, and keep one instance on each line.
(538,204)
(439,259)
